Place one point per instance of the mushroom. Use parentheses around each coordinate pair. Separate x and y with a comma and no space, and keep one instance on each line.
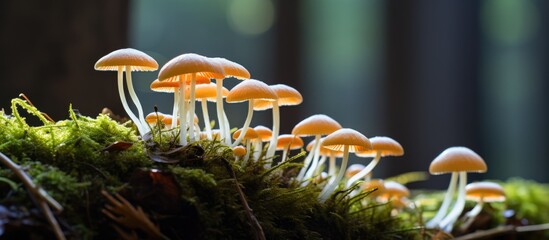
(181,69)
(287,142)
(381,147)
(239,152)
(249,90)
(376,186)
(317,126)
(248,136)
(154,118)
(348,140)
(237,71)
(481,192)
(264,135)
(287,96)
(458,161)
(128,60)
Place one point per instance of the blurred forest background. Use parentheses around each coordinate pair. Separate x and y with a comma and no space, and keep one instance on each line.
(430,74)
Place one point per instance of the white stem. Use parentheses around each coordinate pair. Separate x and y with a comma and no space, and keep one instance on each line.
(182,113)
(192,107)
(308,159)
(284,154)
(206,117)
(364,171)
(332,166)
(445,203)
(328,189)
(246,123)
(175,109)
(135,100)
(227,129)
(448,222)
(320,163)
(125,102)
(313,167)
(470,216)
(276,126)
(247,156)
(223,132)
(258,148)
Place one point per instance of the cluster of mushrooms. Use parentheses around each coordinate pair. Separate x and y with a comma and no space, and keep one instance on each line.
(188,77)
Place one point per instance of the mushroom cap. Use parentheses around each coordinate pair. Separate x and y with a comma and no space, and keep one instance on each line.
(374,183)
(206,91)
(324,151)
(346,137)
(394,189)
(251,89)
(233,69)
(457,159)
(318,124)
(353,169)
(287,96)
(152,117)
(284,140)
(264,133)
(239,151)
(250,134)
(135,59)
(167,120)
(186,64)
(487,191)
(387,146)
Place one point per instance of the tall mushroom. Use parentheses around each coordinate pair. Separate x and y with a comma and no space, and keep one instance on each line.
(458,161)
(237,71)
(287,96)
(208,93)
(317,126)
(128,60)
(381,147)
(182,68)
(348,140)
(264,135)
(250,90)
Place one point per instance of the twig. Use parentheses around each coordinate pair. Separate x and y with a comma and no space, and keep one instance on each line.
(44,200)
(256,226)
(504,230)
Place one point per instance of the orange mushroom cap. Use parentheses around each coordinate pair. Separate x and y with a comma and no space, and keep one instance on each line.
(233,69)
(206,91)
(374,183)
(264,133)
(250,134)
(346,137)
(287,96)
(487,191)
(251,89)
(318,124)
(457,159)
(153,118)
(394,190)
(387,146)
(294,142)
(189,63)
(239,151)
(135,59)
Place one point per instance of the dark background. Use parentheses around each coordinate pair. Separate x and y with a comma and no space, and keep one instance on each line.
(430,74)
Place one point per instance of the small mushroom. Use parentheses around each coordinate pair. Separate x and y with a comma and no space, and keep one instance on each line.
(481,192)
(248,137)
(348,140)
(287,142)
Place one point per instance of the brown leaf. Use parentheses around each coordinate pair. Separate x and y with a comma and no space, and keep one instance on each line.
(117,146)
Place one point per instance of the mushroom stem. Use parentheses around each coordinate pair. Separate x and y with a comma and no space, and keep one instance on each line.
(247,156)
(125,102)
(135,99)
(246,123)
(470,216)
(364,171)
(276,126)
(175,109)
(182,114)
(445,203)
(223,131)
(192,107)
(320,163)
(448,222)
(285,153)
(332,165)
(313,167)
(206,117)
(308,159)
(328,189)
